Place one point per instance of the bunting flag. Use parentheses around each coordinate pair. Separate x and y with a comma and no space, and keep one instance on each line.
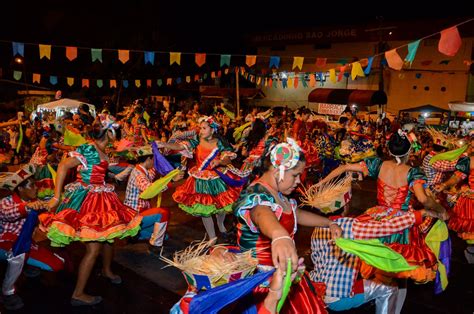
(298,62)
(444,61)
(275,83)
(369,66)
(178,80)
(45,51)
(341,73)
(204,76)
(412,48)
(225,60)
(159,82)
(188,79)
(53,80)
(18,49)
(175,57)
(124,55)
(259,80)
(312,80)
(138,83)
(113,84)
(284,83)
(213,74)
(149,57)
(320,75)
(274,62)
(357,70)
(125,83)
(71,53)
(96,54)
(450,41)
(196,77)
(226,71)
(200,59)
(269,83)
(426,63)
(321,62)
(169,81)
(70,81)
(17,75)
(332,76)
(250,60)
(100,83)
(85,83)
(296,81)
(36,78)
(342,61)
(148,83)
(219,73)
(393,59)
(304,81)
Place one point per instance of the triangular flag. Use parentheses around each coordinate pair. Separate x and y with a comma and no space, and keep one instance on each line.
(148,83)
(138,83)
(178,80)
(53,80)
(444,61)
(169,81)
(225,60)
(259,80)
(36,78)
(341,73)
(124,55)
(450,41)
(70,81)
(296,81)
(100,83)
(304,82)
(356,70)
(200,59)
(175,57)
(312,80)
(188,79)
(45,51)
(113,84)
(159,82)
(71,53)
(369,66)
(18,49)
(196,77)
(17,75)
(149,57)
(270,82)
(412,48)
(342,61)
(219,73)
(332,76)
(250,60)
(298,62)
(393,59)
(274,62)
(204,76)
(85,83)
(321,62)
(96,54)
(213,74)
(125,83)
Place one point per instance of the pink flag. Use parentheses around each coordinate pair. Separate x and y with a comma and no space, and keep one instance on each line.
(450,41)
(393,59)
(71,53)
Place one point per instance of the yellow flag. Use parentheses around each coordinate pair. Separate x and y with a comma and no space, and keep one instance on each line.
(123,55)
(250,60)
(290,82)
(298,62)
(138,83)
(175,57)
(188,79)
(70,81)
(357,70)
(332,75)
(45,51)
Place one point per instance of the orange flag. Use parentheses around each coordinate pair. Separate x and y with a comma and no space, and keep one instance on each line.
(169,81)
(85,83)
(113,84)
(296,82)
(36,78)
(450,41)
(341,73)
(45,51)
(393,59)
(250,60)
(200,59)
(124,55)
(312,80)
(71,53)
(196,77)
(148,83)
(70,81)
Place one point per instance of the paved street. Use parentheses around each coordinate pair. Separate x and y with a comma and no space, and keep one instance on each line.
(148,288)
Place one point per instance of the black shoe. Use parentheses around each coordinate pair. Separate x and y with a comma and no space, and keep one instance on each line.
(12,302)
(77,302)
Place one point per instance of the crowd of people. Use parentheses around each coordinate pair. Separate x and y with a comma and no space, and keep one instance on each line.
(249,166)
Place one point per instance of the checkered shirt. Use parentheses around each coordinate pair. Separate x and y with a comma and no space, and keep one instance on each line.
(435,172)
(140,179)
(12,215)
(339,269)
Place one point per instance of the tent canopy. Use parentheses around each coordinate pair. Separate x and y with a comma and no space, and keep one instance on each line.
(424,108)
(65,104)
(347,96)
(462,106)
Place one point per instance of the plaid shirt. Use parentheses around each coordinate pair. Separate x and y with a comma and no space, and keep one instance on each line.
(435,172)
(12,216)
(339,269)
(140,179)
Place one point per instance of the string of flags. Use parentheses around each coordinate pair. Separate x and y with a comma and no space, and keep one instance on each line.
(449,44)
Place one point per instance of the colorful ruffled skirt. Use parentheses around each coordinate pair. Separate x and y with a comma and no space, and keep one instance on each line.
(44,182)
(204,193)
(90,213)
(462,217)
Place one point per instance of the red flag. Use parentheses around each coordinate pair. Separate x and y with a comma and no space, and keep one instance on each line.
(200,59)
(321,62)
(450,41)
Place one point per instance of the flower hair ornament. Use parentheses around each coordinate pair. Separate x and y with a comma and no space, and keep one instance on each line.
(285,156)
(404,135)
(212,123)
(108,122)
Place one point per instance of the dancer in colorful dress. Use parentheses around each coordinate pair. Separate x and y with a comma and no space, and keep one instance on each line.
(257,143)
(205,193)
(90,211)
(267,223)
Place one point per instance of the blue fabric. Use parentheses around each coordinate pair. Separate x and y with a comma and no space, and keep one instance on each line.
(23,243)
(213,300)
(162,166)
(347,303)
(147,225)
(230,181)
(445,258)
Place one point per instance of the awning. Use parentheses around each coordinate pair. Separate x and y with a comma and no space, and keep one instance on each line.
(347,96)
